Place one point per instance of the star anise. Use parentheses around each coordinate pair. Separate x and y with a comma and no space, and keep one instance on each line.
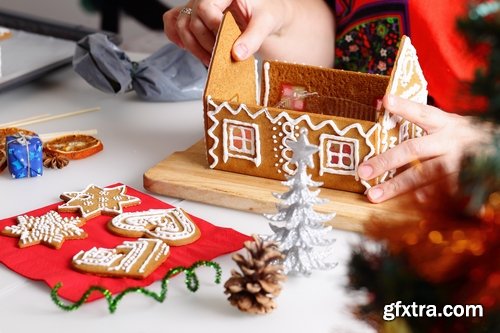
(55,161)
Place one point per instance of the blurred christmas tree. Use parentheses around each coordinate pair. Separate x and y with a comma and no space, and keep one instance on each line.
(452,255)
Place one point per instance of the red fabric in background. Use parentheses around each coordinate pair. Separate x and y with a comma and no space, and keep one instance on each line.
(447,60)
(40,262)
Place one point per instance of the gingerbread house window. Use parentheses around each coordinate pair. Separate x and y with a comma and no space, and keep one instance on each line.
(241,140)
(339,155)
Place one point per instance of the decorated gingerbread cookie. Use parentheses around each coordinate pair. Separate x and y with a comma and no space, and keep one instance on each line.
(173,226)
(131,259)
(94,201)
(50,229)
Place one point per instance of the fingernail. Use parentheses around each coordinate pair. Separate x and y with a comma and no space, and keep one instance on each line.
(375,193)
(241,51)
(391,101)
(365,171)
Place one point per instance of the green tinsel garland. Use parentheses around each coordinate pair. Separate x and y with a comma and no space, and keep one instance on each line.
(192,283)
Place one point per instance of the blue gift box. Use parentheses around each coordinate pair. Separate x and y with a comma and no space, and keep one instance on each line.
(24,155)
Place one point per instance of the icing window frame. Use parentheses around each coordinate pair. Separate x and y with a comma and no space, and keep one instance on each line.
(328,156)
(250,153)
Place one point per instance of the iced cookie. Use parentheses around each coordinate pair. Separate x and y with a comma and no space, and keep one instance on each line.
(94,201)
(173,226)
(131,259)
(50,229)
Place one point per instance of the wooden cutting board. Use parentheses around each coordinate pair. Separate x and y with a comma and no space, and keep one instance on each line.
(185,175)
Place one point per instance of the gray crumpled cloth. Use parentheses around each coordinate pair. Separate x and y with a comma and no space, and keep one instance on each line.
(170,74)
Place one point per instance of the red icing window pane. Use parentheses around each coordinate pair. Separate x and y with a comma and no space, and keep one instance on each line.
(242,139)
(340,155)
(334,147)
(237,143)
(237,132)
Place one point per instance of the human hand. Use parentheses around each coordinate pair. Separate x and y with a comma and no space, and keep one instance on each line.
(196,32)
(301,31)
(438,153)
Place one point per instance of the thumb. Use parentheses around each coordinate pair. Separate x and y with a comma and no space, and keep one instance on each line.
(250,41)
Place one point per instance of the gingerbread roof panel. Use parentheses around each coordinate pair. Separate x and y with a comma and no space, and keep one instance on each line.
(407,79)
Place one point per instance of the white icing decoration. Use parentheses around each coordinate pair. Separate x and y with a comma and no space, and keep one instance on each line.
(104,199)
(229,150)
(267,85)
(340,169)
(125,257)
(257,98)
(404,131)
(165,224)
(283,118)
(51,229)
(407,68)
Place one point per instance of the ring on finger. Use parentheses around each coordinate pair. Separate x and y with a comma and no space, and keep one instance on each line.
(186,10)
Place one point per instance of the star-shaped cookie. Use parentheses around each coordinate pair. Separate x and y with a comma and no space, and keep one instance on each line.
(94,201)
(50,229)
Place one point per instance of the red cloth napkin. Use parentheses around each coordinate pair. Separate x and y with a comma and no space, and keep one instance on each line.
(40,262)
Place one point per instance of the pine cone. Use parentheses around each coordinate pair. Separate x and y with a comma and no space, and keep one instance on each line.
(54,161)
(253,290)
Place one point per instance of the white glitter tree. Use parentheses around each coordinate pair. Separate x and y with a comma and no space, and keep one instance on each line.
(299,230)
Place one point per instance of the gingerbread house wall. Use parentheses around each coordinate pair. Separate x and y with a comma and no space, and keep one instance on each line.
(331,84)
(272,128)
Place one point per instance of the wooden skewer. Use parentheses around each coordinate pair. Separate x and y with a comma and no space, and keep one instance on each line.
(15,122)
(49,136)
(57,116)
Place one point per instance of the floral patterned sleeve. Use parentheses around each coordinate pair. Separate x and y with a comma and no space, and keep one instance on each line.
(368,34)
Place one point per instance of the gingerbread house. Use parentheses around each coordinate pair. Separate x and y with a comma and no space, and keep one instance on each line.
(248,121)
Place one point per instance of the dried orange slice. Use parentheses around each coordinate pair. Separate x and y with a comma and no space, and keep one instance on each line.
(74,147)
(4,132)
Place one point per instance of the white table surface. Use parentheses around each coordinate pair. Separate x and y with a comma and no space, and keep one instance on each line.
(136,136)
